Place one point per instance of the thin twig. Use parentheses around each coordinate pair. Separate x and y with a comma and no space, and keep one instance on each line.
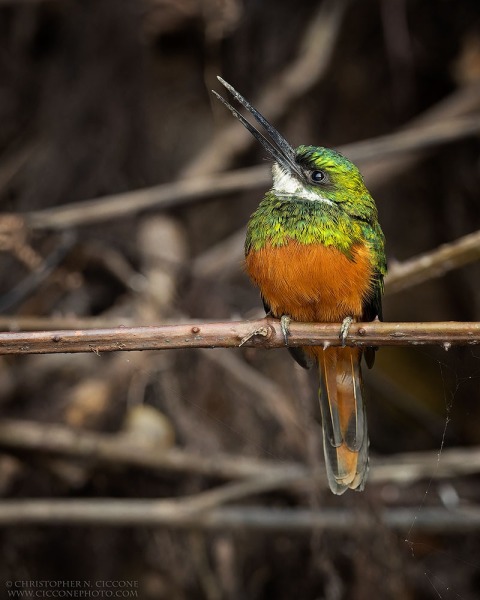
(236,490)
(170,514)
(263,333)
(34,279)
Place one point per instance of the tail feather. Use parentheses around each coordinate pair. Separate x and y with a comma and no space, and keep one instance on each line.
(345,438)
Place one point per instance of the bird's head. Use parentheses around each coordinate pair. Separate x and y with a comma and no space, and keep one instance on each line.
(309,173)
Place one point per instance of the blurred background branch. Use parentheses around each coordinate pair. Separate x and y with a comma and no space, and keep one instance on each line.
(207,187)
(172,514)
(120,449)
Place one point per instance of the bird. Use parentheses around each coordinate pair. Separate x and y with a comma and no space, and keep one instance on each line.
(316,251)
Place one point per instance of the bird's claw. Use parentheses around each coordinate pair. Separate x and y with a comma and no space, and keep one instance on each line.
(285,326)
(347,321)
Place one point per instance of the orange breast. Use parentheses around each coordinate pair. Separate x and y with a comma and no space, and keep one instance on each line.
(312,282)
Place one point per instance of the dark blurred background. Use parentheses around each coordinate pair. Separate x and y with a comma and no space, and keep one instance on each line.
(99,97)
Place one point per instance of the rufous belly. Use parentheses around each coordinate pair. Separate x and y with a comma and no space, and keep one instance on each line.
(312,282)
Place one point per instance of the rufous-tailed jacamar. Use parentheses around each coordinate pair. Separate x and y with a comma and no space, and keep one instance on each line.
(315,249)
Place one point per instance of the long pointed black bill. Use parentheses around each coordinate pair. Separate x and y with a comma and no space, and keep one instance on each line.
(280,150)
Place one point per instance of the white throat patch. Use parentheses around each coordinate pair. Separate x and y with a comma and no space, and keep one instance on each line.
(288,185)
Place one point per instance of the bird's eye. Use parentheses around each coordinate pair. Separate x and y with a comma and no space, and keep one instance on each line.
(317,176)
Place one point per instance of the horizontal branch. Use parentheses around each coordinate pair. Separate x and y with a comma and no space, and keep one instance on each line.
(116,449)
(199,188)
(204,510)
(161,196)
(172,514)
(263,333)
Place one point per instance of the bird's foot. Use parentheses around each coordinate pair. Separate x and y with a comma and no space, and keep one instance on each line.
(285,325)
(347,321)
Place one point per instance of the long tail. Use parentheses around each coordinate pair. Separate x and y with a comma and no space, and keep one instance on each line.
(345,437)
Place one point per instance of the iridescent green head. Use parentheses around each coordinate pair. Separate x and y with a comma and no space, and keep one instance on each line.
(324,175)
(324,168)
(308,173)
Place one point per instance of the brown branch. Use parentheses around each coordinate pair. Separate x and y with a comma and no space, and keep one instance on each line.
(433,264)
(171,514)
(159,197)
(421,137)
(120,450)
(203,187)
(464,101)
(117,449)
(201,511)
(263,333)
